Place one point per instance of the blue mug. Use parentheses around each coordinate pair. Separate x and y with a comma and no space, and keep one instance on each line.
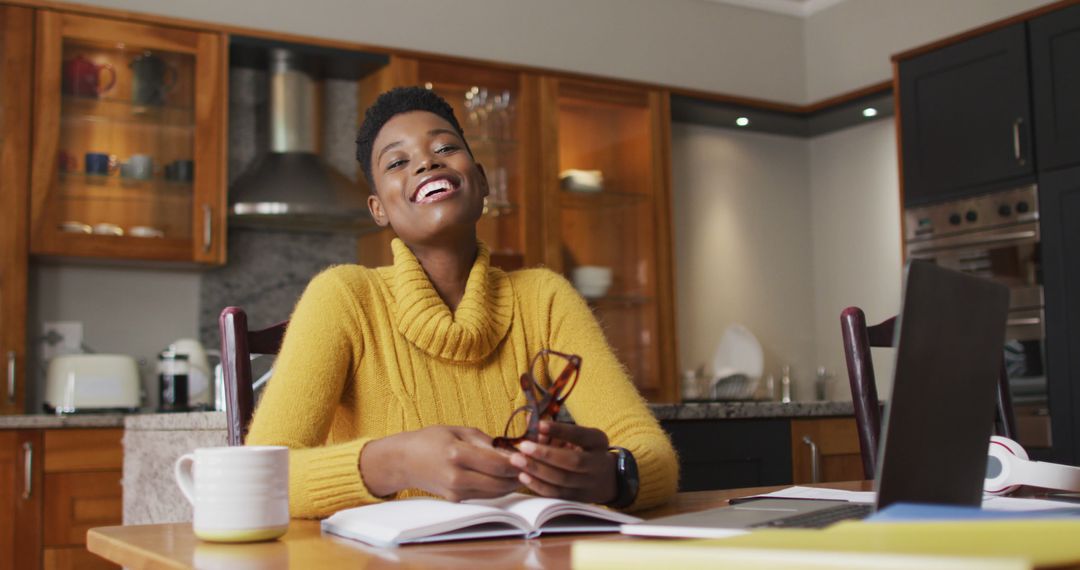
(99,163)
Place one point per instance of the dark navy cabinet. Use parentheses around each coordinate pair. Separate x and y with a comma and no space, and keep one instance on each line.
(1055,78)
(966,117)
(1059,197)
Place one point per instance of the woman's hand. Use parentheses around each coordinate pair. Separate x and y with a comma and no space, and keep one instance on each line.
(455,463)
(570,462)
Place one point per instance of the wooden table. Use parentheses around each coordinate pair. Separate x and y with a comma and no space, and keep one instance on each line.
(304,546)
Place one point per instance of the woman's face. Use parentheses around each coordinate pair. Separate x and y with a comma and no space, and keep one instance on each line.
(427,185)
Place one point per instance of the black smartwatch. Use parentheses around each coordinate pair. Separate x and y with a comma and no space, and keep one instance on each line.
(626,478)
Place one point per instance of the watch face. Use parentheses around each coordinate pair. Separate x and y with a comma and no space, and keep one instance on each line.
(626,472)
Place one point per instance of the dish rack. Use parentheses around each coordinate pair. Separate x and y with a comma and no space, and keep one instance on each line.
(735,387)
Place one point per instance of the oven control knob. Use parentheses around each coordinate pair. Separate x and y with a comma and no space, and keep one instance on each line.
(971,215)
(1022,207)
(1004,210)
(954,219)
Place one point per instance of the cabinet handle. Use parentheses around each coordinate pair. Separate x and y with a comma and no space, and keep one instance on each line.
(815,460)
(28,469)
(208,227)
(11,376)
(1016,140)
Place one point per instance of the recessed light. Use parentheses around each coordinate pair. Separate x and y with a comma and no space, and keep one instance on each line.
(869,112)
(742,121)
(428,86)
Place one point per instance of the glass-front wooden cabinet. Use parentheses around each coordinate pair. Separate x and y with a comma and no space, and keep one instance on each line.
(129,131)
(16,76)
(486,102)
(607,217)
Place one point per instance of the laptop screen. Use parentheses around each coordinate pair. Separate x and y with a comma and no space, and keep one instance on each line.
(939,418)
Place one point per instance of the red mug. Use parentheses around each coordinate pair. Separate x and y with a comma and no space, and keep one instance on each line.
(82,77)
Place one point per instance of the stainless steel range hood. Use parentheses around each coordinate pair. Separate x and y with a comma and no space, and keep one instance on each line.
(290,186)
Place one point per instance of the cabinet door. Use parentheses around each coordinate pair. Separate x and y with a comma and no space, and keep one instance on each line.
(128,141)
(965,117)
(1055,81)
(1059,209)
(831,443)
(16,76)
(731,454)
(20,499)
(491,104)
(607,217)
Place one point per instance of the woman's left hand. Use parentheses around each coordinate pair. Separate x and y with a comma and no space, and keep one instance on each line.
(569,462)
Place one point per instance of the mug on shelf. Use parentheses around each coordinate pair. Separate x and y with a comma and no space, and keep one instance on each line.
(153,79)
(99,163)
(138,166)
(239,494)
(180,171)
(66,161)
(82,77)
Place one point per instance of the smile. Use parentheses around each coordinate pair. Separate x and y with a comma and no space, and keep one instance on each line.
(435,190)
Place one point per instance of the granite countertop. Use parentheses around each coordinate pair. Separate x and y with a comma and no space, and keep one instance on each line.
(216,420)
(746,410)
(48,421)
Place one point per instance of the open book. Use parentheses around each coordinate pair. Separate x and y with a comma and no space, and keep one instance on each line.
(432,520)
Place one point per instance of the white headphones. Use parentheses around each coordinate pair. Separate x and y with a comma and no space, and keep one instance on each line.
(1008,467)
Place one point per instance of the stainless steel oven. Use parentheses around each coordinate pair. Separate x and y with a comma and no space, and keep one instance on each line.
(996,236)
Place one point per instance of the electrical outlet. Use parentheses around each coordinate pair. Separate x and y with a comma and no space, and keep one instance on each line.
(61,337)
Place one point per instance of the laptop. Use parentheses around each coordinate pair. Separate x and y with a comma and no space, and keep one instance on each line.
(937,423)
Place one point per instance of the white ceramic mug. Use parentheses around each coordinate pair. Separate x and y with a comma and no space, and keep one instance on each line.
(239,494)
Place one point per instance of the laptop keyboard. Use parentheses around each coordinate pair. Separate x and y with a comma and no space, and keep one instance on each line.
(822,518)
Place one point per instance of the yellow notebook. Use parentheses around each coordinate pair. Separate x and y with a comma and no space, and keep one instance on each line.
(924,545)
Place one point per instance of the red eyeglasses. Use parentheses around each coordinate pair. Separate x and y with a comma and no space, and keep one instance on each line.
(540,402)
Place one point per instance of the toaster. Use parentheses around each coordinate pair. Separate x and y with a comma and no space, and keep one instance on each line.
(79,383)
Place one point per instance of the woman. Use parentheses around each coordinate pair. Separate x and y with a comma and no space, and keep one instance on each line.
(392,381)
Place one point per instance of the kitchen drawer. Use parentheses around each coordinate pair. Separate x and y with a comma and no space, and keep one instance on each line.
(74,558)
(77,502)
(837,441)
(83,450)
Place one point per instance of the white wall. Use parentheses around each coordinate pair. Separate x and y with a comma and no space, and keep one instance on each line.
(123,310)
(848,45)
(743,246)
(855,209)
(689,43)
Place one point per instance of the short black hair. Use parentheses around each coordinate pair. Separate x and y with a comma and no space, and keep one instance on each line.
(395,102)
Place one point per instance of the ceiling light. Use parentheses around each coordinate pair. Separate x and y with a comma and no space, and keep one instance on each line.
(742,121)
(869,112)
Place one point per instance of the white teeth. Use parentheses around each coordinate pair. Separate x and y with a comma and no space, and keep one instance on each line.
(433,187)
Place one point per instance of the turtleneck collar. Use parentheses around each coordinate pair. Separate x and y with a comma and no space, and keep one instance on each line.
(469,334)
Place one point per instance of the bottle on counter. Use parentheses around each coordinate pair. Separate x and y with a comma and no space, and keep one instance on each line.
(769,389)
(173,376)
(785,386)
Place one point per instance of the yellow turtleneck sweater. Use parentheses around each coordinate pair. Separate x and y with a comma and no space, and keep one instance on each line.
(374,352)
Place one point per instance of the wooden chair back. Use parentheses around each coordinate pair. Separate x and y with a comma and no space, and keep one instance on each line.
(238,344)
(858,339)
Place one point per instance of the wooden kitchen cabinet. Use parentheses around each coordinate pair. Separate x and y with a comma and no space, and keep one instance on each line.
(54,485)
(622,224)
(731,454)
(16,79)
(833,443)
(965,117)
(1055,57)
(128,151)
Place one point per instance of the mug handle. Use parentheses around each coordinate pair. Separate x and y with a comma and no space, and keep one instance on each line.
(184,478)
(112,78)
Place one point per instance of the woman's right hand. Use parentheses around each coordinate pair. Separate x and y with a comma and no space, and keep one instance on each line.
(455,463)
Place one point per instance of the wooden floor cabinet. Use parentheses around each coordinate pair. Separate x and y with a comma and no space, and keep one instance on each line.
(54,486)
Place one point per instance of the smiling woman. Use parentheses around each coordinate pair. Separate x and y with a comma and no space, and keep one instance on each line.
(392,381)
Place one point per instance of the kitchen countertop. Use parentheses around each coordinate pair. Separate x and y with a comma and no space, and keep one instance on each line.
(748,410)
(49,421)
(216,420)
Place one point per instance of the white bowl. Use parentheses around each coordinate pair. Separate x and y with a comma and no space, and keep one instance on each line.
(592,291)
(595,275)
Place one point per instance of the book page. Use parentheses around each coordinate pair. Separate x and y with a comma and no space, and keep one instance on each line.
(397,522)
(538,510)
